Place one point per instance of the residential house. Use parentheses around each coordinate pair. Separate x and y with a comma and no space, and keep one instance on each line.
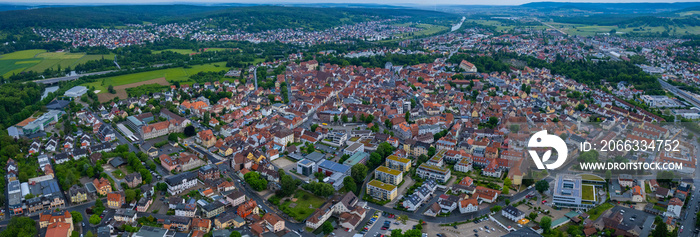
(181,182)
(381,191)
(125,215)
(132,180)
(77,194)
(115,200)
(102,185)
(512,213)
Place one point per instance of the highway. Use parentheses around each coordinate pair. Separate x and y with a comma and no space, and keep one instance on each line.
(70,78)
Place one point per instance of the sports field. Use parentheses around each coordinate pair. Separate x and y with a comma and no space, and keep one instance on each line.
(170,74)
(39,60)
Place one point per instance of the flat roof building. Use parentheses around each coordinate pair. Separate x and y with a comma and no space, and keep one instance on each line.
(76,91)
(381,191)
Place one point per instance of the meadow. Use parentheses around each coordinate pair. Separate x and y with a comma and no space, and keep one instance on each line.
(180,74)
(590,30)
(39,60)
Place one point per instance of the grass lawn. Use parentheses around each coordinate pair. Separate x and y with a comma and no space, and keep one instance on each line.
(588,192)
(590,30)
(180,51)
(592,177)
(118,174)
(219,49)
(594,213)
(306,204)
(40,60)
(89,57)
(23,54)
(170,74)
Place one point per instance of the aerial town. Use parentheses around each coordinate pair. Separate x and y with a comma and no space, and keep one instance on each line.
(320,148)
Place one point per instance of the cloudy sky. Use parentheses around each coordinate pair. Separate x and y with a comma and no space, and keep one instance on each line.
(390,2)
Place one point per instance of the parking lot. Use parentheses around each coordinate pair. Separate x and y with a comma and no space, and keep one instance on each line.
(378,226)
(484,228)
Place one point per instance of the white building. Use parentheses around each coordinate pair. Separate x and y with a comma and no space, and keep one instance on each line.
(76,91)
(512,213)
(181,182)
(468,205)
(674,207)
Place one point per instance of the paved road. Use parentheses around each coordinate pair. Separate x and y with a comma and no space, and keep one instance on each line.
(694,204)
(267,206)
(454,217)
(70,78)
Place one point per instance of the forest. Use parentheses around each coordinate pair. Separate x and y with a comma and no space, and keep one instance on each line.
(246,18)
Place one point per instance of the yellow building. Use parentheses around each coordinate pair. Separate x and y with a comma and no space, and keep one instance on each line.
(381,191)
(388,175)
(398,163)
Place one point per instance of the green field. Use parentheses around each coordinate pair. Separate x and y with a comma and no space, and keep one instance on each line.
(594,213)
(302,210)
(588,193)
(426,29)
(170,74)
(39,60)
(24,54)
(218,49)
(180,51)
(592,177)
(590,30)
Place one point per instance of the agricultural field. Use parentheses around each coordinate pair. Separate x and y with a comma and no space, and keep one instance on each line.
(171,74)
(121,92)
(39,60)
(590,30)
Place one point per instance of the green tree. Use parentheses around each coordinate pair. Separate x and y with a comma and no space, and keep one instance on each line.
(402,218)
(20,227)
(289,185)
(496,208)
(350,184)
(344,118)
(532,216)
(327,227)
(506,185)
(130,195)
(95,219)
(313,127)
(546,223)
(255,181)
(235,233)
(396,233)
(542,186)
(412,233)
(89,234)
(77,217)
(661,230)
(359,172)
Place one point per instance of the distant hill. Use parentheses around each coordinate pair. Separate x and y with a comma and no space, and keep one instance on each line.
(249,18)
(612,8)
